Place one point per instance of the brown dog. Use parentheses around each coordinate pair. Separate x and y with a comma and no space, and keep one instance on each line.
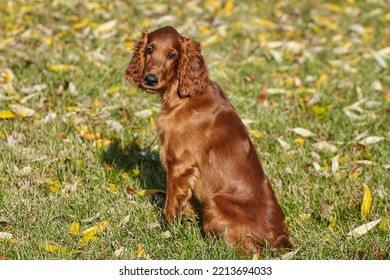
(212,166)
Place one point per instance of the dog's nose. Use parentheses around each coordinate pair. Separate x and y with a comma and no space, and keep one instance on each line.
(151,80)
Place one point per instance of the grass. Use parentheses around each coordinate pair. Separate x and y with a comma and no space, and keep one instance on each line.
(55,171)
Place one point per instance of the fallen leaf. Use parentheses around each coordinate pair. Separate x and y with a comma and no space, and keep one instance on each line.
(284,144)
(75,228)
(366,201)
(149,192)
(335,164)
(7,114)
(379,59)
(100,143)
(211,40)
(95,229)
(332,224)
(106,27)
(256,134)
(54,248)
(62,68)
(363,229)
(6,235)
(144,113)
(302,132)
(299,140)
(324,146)
(371,140)
(262,96)
(141,252)
(22,111)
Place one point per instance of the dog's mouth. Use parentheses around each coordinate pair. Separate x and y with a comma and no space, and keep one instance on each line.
(152,90)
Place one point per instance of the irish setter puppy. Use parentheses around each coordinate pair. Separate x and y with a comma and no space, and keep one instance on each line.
(212,166)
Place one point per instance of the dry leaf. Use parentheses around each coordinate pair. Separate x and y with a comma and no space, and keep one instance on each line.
(302,132)
(100,143)
(262,96)
(371,140)
(256,134)
(141,252)
(22,111)
(6,235)
(324,146)
(62,67)
(284,144)
(363,229)
(366,201)
(332,224)
(75,228)
(149,192)
(7,114)
(106,27)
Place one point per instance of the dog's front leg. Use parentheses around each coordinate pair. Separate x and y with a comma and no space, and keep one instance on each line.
(180,184)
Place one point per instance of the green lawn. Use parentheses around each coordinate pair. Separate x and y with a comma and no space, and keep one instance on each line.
(79,165)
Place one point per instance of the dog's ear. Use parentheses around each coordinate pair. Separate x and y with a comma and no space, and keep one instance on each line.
(135,69)
(192,74)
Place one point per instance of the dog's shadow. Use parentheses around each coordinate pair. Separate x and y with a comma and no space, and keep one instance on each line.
(133,159)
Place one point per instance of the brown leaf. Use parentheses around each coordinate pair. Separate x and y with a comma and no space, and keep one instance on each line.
(262,96)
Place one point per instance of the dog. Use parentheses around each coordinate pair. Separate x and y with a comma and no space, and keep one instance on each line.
(212,166)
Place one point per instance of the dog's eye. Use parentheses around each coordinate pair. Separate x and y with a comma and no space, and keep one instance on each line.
(149,50)
(171,55)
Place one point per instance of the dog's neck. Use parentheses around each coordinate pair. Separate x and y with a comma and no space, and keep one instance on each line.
(170,97)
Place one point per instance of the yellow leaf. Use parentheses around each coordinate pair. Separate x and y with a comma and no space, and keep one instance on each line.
(211,40)
(204,31)
(256,134)
(101,143)
(7,41)
(152,123)
(124,175)
(304,217)
(385,223)
(255,257)
(333,8)
(62,67)
(333,222)
(95,229)
(48,40)
(75,228)
(300,141)
(141,252)
(366,201)
(53,188)
(113,187)
(386,17)
(81,24)
(114,89)
(71,108)
(227,9)
(149,192)
(7,114)
(22,111)
(320,111)
(54,248)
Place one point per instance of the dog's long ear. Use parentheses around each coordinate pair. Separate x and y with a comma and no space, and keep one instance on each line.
(135,69)
(192,72)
